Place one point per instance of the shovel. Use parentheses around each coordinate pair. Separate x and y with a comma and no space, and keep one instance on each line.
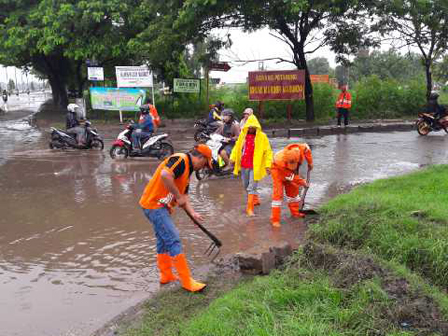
(215,244)
(307,211)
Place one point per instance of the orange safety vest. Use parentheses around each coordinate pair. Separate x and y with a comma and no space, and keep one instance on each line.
(305,154)
(344,100)
(156,195)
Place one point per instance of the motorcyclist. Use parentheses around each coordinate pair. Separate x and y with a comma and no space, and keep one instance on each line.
(154,114)
(434,107)
(143,129)
(73,124)
(214,116)
(230,129)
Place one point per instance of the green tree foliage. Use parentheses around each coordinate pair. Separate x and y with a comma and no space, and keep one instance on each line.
(418,23)
(385,65)
(441,70)
(319,66)
(55,37)
(305,26)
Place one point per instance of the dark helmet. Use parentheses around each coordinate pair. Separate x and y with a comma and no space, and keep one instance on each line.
(434,95)
(219,105)
(228,112)
(144,109)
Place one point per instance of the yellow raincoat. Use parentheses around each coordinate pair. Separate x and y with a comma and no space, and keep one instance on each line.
(262,151)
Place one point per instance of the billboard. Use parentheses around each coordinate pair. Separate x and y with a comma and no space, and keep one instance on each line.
(277,85)
(114,99)
(133,76)
(320,78)
(95,73)
(187,85)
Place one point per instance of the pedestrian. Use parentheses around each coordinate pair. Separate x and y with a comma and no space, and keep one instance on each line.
(252,155)
(230,130)
(167,188)
(246,113)
(285,176)
(5,100)
(343,105)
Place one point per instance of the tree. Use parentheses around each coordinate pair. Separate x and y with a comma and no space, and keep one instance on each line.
(441,70)
(305,26)
(55,37)
(11,86)
(417,23)
(319,66)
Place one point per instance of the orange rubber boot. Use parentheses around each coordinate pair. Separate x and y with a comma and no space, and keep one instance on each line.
(256,200)
(180,262)
(164,264)
(275,216)
(295,210)
(250,205)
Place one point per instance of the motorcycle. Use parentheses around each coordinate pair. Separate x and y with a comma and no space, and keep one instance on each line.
(215,142)
(63,140)
(154,146)
(426,123)
(204,129)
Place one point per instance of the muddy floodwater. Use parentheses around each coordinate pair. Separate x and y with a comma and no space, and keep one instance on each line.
(75,248)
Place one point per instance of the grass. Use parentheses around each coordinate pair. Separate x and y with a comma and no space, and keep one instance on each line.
(374,264)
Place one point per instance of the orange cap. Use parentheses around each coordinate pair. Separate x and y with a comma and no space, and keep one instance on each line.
(206,151)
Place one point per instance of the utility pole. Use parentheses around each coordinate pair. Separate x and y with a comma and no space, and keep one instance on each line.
(17,87)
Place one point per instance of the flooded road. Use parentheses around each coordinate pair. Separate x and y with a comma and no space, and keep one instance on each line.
(75,248)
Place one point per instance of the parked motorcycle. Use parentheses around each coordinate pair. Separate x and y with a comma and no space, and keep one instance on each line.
(204,129)
(154,146)
(63,140)
(426,123)
(216,143)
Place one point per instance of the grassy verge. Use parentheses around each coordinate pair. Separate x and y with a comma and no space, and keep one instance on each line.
(375,264)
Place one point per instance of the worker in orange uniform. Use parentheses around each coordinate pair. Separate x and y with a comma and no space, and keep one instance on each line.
(154,114)
(169,187)
(343,105)
(285,175)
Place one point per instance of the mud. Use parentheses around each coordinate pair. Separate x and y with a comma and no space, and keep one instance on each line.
(75,246)
(410,309)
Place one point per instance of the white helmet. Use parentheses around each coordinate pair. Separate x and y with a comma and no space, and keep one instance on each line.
(73,108)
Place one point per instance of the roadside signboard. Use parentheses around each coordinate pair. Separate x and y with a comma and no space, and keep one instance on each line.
(215,80)
(95,73)
(277,85)
(220,66)
(186,85)
(320,78)
(114,99)
(133,76)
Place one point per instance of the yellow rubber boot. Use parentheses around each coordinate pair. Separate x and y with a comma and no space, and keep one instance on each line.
(181,265)
(165,266)
(256,200)
(275,216)
(250,205)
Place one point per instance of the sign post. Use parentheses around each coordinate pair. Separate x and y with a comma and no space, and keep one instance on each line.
(186,85)
(215,66)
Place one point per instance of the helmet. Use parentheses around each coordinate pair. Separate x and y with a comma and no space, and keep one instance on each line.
(144,109)
(72,107)
(228,112)
(434,95)
(219,105)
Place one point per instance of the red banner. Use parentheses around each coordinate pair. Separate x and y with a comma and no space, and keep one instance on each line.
(277,85)
(320,78)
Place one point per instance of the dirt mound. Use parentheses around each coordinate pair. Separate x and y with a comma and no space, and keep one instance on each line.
(410,309)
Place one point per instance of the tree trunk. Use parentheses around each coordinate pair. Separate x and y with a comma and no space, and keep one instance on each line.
(428,78)
(309,101)
(58,90)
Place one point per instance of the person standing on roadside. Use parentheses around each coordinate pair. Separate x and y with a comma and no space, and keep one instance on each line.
(252,156)
(247,112)
(167,188)
(5,100)
(285,176)
(343,105)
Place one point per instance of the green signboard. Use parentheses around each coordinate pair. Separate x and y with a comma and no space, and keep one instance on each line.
(187,85)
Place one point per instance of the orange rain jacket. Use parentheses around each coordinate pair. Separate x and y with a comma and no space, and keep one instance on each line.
(154,114)
(344,100)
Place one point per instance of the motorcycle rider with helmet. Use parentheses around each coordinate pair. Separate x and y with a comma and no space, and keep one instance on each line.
(214,116)
(435,108)
(230,129)
(143,129)
(73,124)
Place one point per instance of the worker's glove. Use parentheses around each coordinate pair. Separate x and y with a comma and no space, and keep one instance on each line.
(289,178)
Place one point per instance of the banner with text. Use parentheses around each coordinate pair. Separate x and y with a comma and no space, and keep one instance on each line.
(187,85)
(133,76)
(277,85)
(116,98)
(320,78)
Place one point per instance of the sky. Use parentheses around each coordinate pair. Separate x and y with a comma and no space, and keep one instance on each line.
(12,72)
(257,45)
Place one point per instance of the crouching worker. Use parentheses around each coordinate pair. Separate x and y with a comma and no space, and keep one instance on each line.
(285,175)
(252,155)
(169,187)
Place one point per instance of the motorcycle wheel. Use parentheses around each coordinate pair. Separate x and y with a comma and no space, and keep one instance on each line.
(203,174)
(199,135)
(166,149)
(97,144)
(423,128)
(119,152)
